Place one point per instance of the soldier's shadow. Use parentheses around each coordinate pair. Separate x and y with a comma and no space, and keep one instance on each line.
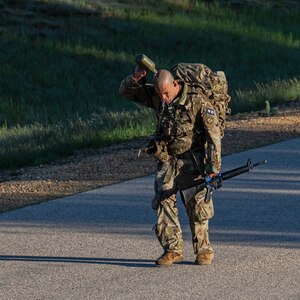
(125,262)
(143,263)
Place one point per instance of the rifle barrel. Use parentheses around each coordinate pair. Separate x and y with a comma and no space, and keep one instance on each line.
(235,172)
(260,163)
(244,169)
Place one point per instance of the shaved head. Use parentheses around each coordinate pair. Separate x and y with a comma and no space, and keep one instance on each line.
(162,78)
(166,87)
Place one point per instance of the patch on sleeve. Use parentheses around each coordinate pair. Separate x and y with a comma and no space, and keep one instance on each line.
(210,111)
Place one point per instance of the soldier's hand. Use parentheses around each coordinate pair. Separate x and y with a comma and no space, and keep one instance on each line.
(214,181)
(139,73)
(212,175)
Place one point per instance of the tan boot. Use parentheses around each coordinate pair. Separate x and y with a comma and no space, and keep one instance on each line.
(168,258)
(204,258)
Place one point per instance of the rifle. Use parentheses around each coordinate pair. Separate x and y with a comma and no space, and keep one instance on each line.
(215,183)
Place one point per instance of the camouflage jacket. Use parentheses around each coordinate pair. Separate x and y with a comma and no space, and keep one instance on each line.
(188,123)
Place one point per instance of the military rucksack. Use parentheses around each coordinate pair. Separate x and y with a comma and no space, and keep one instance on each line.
(212,84)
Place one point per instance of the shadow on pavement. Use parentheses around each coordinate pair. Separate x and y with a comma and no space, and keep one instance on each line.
(136,263)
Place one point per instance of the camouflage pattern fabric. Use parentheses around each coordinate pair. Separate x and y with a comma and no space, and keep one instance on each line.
(199,212)
(213,85)
(187,146)
(168,229)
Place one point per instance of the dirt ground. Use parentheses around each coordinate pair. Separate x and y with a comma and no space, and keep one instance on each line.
(89,169)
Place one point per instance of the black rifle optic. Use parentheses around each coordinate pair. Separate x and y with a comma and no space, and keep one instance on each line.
(215,183)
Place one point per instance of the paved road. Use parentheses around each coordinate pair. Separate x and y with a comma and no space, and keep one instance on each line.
(100,244)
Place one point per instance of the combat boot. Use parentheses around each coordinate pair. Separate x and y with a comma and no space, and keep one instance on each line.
(168,258)
(204,258)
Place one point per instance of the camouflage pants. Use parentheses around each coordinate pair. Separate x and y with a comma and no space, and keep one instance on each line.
(199,212)
(168,230)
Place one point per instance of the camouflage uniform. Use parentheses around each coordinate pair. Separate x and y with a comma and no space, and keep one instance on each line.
(187,146)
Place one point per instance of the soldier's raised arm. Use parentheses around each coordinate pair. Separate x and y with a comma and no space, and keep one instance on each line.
(134,88)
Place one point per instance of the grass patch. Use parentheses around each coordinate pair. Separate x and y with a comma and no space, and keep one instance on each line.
(276,92)
(40,143)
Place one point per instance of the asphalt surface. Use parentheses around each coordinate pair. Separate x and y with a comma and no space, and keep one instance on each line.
(100,244)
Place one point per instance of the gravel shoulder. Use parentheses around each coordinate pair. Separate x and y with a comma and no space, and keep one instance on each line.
(89,169)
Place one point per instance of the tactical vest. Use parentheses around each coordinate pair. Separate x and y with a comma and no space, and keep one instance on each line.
(179,123)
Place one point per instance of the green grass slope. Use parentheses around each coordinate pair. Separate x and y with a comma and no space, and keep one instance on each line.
(61,63)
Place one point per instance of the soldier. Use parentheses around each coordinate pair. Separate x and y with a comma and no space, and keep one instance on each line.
(187,146)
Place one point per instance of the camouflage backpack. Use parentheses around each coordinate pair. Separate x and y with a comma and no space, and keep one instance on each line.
(212,84)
